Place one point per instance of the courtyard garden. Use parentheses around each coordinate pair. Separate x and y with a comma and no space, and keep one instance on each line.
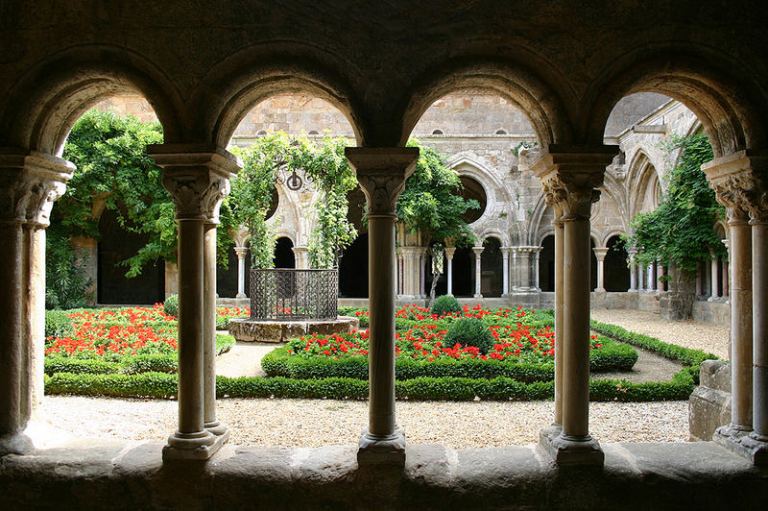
(447,353)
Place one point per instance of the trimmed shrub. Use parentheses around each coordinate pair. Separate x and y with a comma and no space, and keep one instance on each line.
(445,304)
(55,365)
(470,332)
(171,305)
(58,324)
(150,364)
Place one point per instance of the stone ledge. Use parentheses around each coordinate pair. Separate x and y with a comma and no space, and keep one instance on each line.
(120,475)
(249,330)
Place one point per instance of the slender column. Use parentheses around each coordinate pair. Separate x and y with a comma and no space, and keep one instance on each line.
(301,255)
(212,424)
(422,255)
(713,280)
(725,277)
(659,277)
(478,271)
(449,251)
(600,255)
(382,173)
(570,180)
(559,313)
(641,278)
(632,270)
(399,271)
(759,222)
(536,269)
(29,185)
(505,270)
(241,254)
(197,178)
(739,186)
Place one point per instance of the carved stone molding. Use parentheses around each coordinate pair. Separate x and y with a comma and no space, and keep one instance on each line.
(30,184)
(381,173)
(739,184)
(197,177)
(571,177)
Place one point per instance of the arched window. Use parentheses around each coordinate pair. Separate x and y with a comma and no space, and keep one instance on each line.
(501,132)
(437,132)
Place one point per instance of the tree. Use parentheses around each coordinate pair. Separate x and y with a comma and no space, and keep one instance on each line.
(431,203)
(681,230)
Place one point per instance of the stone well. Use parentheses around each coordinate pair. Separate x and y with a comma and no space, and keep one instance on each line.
(287,303)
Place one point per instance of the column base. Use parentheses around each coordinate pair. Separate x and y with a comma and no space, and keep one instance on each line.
(478,296)
(218,429)
(241,295)
(377,450)
(17,443)
(199,446)
(600,290)
(746,444)
(567,450)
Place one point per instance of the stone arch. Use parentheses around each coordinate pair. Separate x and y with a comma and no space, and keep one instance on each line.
(536,229)
(496,193)
(729,109)
(517,83)
(610,234)
(45,103)
(233,87)
(491,232)
(642,177)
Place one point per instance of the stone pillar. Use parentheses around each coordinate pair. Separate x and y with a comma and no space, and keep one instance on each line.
(29,185)
(301,255)
(713,279)
(381,173)
(197,178)
(241,252)
(632,270)
(398,271)
(600,254)
(659,277)
(422,257)
(758,440)
(505,270)
(571,181)
(738,186)
(449,251)
(478,271)
(640,278)
(559,311)
(536,272)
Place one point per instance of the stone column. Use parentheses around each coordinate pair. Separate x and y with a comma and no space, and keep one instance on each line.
(536,272)
(29,185)
(422,255)
(640,278)
(571,181)
(505,270)
(449,251)
(713,279)
(600,254)
(478,271)
(559,310)
(758,440)
(738,188)
(398,271)
(381,173)
(301,255)
(197,178)
(632,270)
(659,277)
(241,252)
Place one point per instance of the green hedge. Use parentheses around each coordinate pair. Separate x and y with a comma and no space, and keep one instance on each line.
(690,358)
(58,323)
(611,357)
(164,386)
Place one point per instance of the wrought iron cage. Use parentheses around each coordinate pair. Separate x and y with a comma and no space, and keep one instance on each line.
(292,294)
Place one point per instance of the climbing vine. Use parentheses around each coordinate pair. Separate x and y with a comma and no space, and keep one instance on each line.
(681,230)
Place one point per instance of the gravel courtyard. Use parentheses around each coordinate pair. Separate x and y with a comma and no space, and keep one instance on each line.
(286,422)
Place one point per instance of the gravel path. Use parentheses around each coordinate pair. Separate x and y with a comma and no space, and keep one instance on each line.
(704,336)
(243,359)
(312,423)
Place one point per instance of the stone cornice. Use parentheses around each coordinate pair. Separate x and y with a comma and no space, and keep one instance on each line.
(381,172)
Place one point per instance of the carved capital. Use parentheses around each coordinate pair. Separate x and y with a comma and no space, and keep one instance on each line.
(30,184)
(197,177)
(600,253)
(739,184)
(381,173)
(241,235)
(571,177)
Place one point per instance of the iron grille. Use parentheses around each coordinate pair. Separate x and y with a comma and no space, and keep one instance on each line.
(292,294)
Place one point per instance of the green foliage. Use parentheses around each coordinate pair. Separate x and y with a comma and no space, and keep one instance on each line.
(171,305)
(114,169)
(58,324)
(66,284)
(164,386)
(470,332)
(611,357)
(431,203)
(446,304)
(681,230)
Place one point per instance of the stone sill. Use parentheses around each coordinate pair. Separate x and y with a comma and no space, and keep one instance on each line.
(120,475)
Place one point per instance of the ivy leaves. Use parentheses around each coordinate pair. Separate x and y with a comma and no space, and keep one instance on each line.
(681,229)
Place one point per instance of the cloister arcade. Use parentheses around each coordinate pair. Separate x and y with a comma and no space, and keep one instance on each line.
(202,86)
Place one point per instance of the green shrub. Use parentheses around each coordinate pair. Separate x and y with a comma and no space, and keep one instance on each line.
(55,365)
(58,324)
(445,304)
(171,305)
(470,332)
(150,364)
